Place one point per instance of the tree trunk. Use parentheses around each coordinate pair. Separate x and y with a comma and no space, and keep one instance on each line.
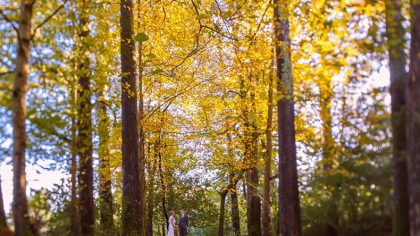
(267,229)
(221,227)
(84,123)
(236,222)
(236,225)
(105,193)
(250,141)
(163,189)
(20,86)
(289,209)
(151,200)
(171,193)
(254,203)
(413,123)
(74,219)
(397,62)
(141,127)
(131,209)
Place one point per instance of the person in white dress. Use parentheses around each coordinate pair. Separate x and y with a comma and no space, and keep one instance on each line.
(171,226)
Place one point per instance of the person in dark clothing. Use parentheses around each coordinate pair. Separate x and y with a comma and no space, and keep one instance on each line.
(183,223)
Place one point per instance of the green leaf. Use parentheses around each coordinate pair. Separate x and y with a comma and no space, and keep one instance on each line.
(157,71)
(151,56)
(251,117)
(141,37)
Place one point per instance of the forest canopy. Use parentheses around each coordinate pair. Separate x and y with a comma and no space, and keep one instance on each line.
(210,117)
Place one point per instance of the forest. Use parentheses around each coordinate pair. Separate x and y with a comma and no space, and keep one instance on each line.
(255,117)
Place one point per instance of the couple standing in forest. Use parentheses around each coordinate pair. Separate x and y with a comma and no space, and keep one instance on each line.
(182,224)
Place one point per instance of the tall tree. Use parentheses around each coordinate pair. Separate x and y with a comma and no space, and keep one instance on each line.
(75,216)
(413,116)
(398,75)
(233,181)
(20,87)
(131,196)
(105,193)
(254,200)
(151,195)
(236,221)
(250,141)
(221,230)
(289,209)
(234,203)
(84,124)
(267,229)
(142,157)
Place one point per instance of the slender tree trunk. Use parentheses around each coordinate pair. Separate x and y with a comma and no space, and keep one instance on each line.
(397,62)
(141,127)
(75,220)
(20,86)
(250,141)
(131,210)
(236,225)
(105,191)
(151,201)
(236,222)
(254,203)
(221,227)
(413,123)
(84,126)
(254,206)
(267,229)
(163,189)
(171,193)
(289,209)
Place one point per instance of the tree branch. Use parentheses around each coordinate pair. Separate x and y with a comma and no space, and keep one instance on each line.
(8,20)
(48,18)
(274,177)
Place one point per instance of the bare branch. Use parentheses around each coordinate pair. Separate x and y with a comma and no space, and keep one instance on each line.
(8,20)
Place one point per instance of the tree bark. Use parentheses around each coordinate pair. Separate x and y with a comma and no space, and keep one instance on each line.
(163,189)
(250,141)
(141,127)
(236,222)
(84,126)
(75,216)
(20,87)
(398,76)
(220,231)
(289,209)
(267,229)
(163,230)
(131,209)
(105,193)
(151,201)
(413,120)
(254,206)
